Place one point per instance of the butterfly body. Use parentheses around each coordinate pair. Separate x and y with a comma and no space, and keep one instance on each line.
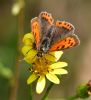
(46,40)
(50,36)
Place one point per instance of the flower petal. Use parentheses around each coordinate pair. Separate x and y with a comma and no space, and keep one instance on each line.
(58,54)
(53,78)
(40,84)
(28,39)
(58,65)
(59,71)
(25,49)
(28,42)
(53,56)
(32,78)
(50,57)
(31,56)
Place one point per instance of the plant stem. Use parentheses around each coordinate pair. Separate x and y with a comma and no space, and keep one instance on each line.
(30,92)
(47,91)
(15,79)
(73,97)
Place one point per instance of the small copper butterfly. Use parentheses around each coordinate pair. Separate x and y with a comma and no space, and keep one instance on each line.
(52,36)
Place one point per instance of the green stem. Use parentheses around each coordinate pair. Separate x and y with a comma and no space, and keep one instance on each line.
(73,97)
(30,92)
(47,91)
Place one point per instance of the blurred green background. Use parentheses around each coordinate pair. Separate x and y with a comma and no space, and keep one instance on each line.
(15,16)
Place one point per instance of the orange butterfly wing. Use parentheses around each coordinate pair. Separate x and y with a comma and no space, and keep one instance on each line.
(69,41)
(66,25)
(62,29)
(39,26)
(35,26)
(47,17)
(46,21)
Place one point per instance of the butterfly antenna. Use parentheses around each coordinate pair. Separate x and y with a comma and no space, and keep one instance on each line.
(34,57)
(28,52)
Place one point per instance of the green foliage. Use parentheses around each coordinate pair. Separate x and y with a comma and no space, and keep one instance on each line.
(5,72)
(82,91)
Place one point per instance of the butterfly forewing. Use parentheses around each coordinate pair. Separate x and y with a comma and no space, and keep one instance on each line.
(35,26)
(40,27)
(46,20)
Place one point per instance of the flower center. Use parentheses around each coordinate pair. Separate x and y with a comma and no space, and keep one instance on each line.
(41,66)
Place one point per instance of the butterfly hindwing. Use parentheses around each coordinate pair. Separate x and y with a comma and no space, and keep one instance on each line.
(69,41)
(62,28)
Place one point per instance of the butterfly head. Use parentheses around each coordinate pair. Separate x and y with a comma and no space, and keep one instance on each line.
(40,54)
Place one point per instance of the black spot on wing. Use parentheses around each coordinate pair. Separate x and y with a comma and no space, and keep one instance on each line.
(63,46)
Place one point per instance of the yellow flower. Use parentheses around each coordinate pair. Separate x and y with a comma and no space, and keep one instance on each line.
(43,69)
(30,52)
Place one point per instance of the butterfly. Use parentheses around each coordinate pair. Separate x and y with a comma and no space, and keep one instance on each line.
(52,36)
